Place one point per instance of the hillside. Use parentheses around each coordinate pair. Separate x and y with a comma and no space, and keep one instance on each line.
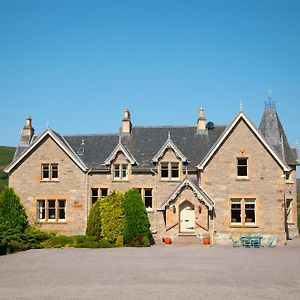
(6,156)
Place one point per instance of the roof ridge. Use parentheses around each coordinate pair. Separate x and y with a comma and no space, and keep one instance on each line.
(91,134)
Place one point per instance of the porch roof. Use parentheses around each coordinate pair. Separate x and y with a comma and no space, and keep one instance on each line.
(198,192)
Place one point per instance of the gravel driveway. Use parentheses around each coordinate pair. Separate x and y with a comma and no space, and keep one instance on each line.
(159,272)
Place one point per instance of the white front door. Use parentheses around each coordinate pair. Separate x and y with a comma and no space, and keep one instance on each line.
(187,217)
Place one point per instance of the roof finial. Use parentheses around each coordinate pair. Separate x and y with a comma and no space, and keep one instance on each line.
(48,124)
(120,139)
(241,106)
(269,103)
(169,135)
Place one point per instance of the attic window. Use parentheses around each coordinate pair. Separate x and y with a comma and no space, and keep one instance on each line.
(80,151)
(242,167)
(120,171)
(169,171)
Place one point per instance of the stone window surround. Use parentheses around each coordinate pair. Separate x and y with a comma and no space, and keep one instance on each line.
(50,178)
(170,169)
(121,170)
(142,192)
(46,207)
(99,192)
(242,177)
(243,223)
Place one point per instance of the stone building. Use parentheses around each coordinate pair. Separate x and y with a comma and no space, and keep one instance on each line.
(221,180)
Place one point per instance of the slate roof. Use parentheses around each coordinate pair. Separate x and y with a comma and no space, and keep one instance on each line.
(143,143)
(271,128)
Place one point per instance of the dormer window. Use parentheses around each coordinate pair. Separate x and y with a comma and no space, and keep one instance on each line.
(169,170)
(120,171)
(242,167)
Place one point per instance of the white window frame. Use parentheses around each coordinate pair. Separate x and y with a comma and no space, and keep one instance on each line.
(57,209)
(242,166)
(170,165)
(243,201)
(122,168)
(50,167)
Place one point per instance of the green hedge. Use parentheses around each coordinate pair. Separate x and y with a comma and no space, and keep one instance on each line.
(137,227)
(112,216)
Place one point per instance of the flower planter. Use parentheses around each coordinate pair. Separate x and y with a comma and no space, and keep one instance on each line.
(167,241)
(206,241)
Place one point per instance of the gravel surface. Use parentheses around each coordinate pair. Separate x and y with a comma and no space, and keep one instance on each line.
(159,272)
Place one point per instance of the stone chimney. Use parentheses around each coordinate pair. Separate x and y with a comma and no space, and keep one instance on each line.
(28,130)
(201,124)
(126,123)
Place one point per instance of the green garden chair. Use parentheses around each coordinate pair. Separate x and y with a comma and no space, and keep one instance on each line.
(235,243)
(256,241)
(246,240)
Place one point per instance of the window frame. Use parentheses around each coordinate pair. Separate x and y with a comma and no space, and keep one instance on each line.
(170,167)
(51,168)
(243,209)
(121,168)
(99,195)
(46,210)
(242,166)
(142,192)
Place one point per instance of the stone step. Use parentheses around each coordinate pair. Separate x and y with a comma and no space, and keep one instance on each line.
(185,240)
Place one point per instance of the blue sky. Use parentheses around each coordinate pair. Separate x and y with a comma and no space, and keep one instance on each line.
(78,64)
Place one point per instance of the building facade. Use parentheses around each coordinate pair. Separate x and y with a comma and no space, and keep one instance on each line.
(194,180)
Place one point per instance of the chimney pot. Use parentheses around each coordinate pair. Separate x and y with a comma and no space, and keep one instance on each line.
(201,124)
(126,123)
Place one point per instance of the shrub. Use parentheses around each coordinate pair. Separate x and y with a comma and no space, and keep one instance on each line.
(105,244)
(112,216)
(94,221)
(12,212)
(136,219)
(33,237)
(57,241)
(140,241)
(87,244)
(119,241)
(9,235)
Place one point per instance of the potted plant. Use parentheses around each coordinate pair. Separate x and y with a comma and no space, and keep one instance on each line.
(206,239)
(167,240)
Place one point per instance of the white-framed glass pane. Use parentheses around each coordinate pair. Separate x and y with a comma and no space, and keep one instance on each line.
(54,171)
(242,167)
(148,198)
(236,211)
(51,210)
(164,170)
(174,170)
(61,209)
(41,210)
(104,192)
(45,171)
(124,171)
(249,210)
(94,195)
(116,171)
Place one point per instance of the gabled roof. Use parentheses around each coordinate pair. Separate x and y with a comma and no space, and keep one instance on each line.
(124,150)
(143,143)
(59,140)
(169,144)
(199,193)
(256,132)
